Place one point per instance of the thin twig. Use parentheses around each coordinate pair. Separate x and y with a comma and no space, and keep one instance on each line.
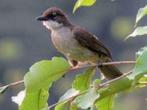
(15,83)
(113,80)
(104,64)
(117,63)
(69,99)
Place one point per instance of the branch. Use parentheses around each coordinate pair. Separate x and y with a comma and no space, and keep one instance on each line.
(15,83)
(104,64)
(3,88)
(80,67)
(117,63)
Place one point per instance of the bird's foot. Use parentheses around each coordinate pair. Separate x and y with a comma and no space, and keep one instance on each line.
(79,65)
(100,64)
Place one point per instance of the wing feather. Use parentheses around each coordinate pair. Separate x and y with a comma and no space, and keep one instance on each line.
(90,41)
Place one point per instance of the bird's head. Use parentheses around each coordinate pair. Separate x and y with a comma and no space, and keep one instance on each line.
(53,18)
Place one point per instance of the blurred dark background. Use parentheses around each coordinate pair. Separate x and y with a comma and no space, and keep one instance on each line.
(24,41)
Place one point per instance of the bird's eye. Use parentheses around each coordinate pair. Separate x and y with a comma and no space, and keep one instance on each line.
(54,14)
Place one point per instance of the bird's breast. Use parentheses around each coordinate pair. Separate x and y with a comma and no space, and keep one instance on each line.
(63,40)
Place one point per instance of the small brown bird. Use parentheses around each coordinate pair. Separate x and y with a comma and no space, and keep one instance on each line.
(76,43)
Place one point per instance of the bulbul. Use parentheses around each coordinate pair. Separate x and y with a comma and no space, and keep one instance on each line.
(76,43)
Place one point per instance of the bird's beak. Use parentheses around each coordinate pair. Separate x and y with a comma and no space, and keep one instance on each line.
(41,18)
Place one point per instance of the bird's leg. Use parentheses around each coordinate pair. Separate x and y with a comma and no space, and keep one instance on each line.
(102,77)
(73,63)
(100,60)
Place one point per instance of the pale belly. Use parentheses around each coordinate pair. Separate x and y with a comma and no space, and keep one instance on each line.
(82,55)
(68,46)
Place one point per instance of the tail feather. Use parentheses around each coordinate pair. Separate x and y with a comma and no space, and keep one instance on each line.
(110,71)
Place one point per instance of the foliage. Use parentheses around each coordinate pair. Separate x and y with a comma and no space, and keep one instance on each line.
(105,103)
(141,13)
(3,89)
(141,30)
(140,67)
(86,93)
(80,3)
(39,79)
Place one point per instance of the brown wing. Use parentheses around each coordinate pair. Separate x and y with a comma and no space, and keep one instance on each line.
(89,41)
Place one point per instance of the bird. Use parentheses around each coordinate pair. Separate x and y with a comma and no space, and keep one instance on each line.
(76,43)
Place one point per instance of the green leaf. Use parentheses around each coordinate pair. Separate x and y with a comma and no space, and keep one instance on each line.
(80,3)
(115,87)
(66,106)
(35,100)
(43,73)
(64,100)
(87,100)
(39,79)
(140,52)
(73,106)
(143,79)
(105,103)
(96,82)
(62,106)
(70,93)
(3,89)
(82,81)
(141,13)
(139,31)
(140,66)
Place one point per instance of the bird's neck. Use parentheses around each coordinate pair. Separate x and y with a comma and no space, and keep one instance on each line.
(53,25)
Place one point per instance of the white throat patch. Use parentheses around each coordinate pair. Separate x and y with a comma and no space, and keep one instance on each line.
(52,24)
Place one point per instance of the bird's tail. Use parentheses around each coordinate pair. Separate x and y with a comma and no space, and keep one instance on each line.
(110,71)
